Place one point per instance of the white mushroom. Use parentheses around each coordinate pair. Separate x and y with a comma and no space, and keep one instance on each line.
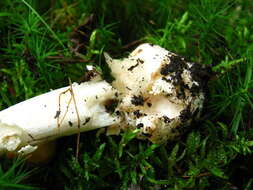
(156,90)
(52,115)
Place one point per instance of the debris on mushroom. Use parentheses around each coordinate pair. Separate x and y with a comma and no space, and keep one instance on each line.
(155,91)
(159,91)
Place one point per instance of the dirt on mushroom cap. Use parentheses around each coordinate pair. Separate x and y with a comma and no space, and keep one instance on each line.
(159,91)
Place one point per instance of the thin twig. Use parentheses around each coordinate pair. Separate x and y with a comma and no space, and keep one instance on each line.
(200,175)
(59,110)
(133,43)
(78,120)
(63,59)
(66,110)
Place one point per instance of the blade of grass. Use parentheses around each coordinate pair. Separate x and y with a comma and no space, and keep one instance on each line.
(44,22)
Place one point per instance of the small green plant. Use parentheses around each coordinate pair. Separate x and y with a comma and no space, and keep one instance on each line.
(13,176)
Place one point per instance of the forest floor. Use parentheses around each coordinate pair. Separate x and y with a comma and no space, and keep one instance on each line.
(43,43)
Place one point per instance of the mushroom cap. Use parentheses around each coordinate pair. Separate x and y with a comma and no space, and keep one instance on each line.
(160,91)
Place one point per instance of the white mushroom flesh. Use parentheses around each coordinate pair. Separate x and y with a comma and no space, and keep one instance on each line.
(41,118)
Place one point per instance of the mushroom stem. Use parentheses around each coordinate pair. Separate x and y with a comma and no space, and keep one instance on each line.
(54,114)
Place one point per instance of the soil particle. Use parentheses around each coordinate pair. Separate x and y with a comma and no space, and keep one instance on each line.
(110,105)
(86,120)
(185,114)
(138,114)
(165,79)
(176,64)
(166,119)
(140,61)
(139,125)
(149,104)
(137,100)
(117,112)
(70,124)
(195,89)
(200,74)
(132,67)
(57,114)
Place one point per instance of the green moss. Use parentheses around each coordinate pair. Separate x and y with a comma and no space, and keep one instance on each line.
(43,43)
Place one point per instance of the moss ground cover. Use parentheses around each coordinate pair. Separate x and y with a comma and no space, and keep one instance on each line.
(43,43)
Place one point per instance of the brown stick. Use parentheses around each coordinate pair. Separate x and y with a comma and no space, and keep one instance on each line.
(78,120)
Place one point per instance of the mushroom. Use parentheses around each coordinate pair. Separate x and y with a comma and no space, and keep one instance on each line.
(155,91)
(54,114)
(159,91)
